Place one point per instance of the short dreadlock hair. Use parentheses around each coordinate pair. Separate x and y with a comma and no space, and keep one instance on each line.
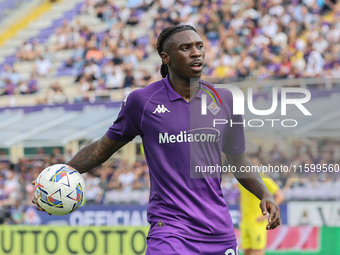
(166,32)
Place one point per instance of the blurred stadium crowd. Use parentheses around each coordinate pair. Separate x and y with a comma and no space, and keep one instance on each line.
(300,185)
(259,39)
(119,182)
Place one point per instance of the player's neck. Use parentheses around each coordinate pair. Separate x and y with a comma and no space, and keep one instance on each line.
(183,87)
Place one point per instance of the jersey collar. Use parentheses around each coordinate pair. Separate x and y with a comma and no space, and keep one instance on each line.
(173,95)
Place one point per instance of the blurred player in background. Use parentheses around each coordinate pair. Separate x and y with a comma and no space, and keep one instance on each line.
(187,215)
(253,223)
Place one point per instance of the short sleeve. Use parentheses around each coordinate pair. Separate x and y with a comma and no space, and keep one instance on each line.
(235,142)
(128,123)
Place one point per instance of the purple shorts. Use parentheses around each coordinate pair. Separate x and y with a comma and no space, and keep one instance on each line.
(170,244)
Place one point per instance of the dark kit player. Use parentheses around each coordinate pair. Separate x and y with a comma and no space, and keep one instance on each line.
(187,215)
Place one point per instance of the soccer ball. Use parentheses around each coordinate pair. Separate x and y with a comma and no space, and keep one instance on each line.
(59,189)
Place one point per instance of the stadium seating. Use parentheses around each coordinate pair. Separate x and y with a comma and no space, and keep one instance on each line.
(6,6)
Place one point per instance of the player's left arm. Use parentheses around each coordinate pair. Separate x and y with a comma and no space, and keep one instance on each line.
(253,182)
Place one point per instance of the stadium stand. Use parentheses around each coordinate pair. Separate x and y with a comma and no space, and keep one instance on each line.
(274,39)
(7,6)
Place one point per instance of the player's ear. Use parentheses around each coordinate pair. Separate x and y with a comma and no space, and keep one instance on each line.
(165,58)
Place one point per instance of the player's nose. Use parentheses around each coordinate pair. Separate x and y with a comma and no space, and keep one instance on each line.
(195,53)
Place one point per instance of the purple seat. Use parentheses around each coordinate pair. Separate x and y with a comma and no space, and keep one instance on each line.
(78,6)
(103,62)
(7,5)
(42,36)
(47,32)
(70,13)
(214,42)
(144,40)
(50,28)
(101,35)
(43,40)
(139,12)
(10,59)
(57,23)
(10,62)
(64,72)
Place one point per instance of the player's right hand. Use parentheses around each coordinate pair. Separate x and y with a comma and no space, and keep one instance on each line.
(34,201)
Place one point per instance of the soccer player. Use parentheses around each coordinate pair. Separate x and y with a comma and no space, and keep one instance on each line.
(253,232)
(187,215)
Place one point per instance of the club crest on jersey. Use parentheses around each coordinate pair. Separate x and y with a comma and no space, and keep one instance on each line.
(161,109)
(213,108)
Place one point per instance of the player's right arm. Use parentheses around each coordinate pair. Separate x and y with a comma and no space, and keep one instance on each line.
(124,129)
(95,154)
(91,156)
(253,182)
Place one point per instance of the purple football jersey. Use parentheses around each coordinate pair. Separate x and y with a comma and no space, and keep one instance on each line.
(177,139)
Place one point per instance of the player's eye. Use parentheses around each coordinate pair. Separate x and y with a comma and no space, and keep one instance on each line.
(185,48)
(200,47)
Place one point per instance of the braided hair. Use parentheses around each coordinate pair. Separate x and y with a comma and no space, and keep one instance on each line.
(164,35)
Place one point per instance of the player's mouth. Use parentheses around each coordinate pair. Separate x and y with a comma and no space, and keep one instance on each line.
(196,65)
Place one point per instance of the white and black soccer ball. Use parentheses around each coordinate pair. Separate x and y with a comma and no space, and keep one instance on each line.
(59,189)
